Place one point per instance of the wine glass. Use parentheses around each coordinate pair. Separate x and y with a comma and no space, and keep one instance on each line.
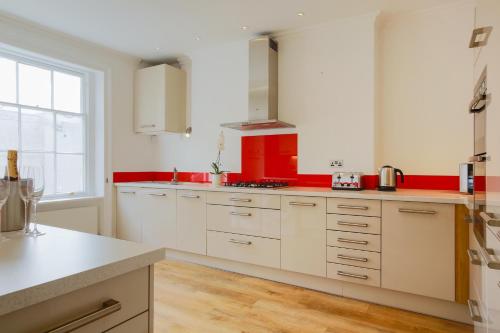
(4,195)
(38,189)
(26,192)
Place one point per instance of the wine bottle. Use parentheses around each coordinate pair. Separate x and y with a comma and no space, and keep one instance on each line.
(12,165)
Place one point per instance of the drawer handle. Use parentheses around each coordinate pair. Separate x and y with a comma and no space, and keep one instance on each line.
(190,196)
(236,241)
(240,214)
(343,257)
(353,207)
(473,315)
(353,224)
(417,211)
(352,275)
(157,194)
(127,192)
(303,204)
(148,126)
(240,200)
(107,308)
(474,257)
(492,222)
(352,241)
(490,258)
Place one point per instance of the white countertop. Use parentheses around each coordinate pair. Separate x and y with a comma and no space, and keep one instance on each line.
(436,196)
(33,270)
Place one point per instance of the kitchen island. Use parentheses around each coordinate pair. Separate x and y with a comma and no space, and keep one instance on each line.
(73,279)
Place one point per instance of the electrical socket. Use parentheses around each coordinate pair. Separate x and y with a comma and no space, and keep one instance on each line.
(336,163)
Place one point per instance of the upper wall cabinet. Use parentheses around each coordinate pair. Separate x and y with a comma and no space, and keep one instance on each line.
(160,100)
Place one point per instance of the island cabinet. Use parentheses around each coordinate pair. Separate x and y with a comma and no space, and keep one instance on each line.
(303,235)
(192,221)
(418,241)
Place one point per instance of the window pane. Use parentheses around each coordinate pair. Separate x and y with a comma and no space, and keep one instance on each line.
(7,80)
(34,86)
(3,162)
(69,134)
(67,92)
(37,129)
(69,173)
(9,135)
(46,161)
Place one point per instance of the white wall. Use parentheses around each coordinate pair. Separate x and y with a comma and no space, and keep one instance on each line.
(123,150)
(326,88)
(426,86)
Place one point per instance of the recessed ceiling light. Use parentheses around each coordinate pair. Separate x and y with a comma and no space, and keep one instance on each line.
(300,14)
(157,49)
(244,27)
(197,38)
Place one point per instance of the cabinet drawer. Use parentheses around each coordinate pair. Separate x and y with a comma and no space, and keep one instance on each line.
(353,240)
(352,257)
(370,277)
(363,224)
(139,324)
(244,220)
(354,206)
(63,309)
(244,199)
(249,249)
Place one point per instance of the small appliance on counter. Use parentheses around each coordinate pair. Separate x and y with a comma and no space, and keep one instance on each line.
(387,178)
(347,181)
(466,177)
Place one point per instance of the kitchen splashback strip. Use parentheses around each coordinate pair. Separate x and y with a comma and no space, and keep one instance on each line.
(425,182)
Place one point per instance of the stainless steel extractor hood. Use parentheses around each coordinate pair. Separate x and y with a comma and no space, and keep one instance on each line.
(263,88)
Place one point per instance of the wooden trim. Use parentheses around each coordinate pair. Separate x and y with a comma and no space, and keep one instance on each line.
(461,258)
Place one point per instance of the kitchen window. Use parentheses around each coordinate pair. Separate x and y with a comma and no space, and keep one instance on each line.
(44,114)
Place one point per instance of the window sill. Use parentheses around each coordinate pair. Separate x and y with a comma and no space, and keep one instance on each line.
(67,203)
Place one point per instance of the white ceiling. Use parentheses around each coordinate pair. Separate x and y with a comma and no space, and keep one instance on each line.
(155,29)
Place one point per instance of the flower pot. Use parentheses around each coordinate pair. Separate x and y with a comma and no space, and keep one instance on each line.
(217,179)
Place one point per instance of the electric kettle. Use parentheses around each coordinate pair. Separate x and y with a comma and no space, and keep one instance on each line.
(387,178)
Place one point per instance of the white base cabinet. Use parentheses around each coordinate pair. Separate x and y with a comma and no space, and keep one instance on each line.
(128,214)
(159,225)
(192,221)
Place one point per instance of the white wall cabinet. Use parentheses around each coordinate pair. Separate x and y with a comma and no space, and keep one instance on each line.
(303,234)
(192,221)
(160,100)
(418,242)
(128,217)
(158,217)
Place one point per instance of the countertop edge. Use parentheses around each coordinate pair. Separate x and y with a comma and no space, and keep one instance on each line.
(37,294)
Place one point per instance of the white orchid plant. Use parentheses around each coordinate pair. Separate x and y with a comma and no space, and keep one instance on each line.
(217,165)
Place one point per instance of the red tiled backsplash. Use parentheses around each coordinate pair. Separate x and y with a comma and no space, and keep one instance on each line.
(274,157)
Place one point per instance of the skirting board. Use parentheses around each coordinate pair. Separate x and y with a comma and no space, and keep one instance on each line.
(415,303)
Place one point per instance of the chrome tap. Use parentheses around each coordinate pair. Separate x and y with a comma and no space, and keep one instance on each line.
(174,179)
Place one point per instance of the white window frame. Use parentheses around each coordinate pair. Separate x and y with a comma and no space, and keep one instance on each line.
(87,114)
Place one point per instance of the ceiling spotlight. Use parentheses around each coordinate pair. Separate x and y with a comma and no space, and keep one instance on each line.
(244,27)
(300,14)
(188,132)
(197,38)
(157,49)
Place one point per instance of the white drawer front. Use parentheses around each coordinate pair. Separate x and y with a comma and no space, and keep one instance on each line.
(363,224)
(244,199)
(249,249)
(352,257)
(370,277)
(244,220)
(354,206)
(353,240)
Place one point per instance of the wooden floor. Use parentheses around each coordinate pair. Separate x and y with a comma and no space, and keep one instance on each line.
(193,298)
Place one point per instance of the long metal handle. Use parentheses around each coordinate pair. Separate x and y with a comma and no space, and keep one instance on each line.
(353,207)
(237,241)
(107,308)
(190,196)
(352,241)
(417,211)
(240,200)
(352,275)
(240,214)
(490,258)
(157,194)
(148,126)
(474,257)
(492,222)
(303,204)
(353,224)
(343,257)
(473,315)
(127,192)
